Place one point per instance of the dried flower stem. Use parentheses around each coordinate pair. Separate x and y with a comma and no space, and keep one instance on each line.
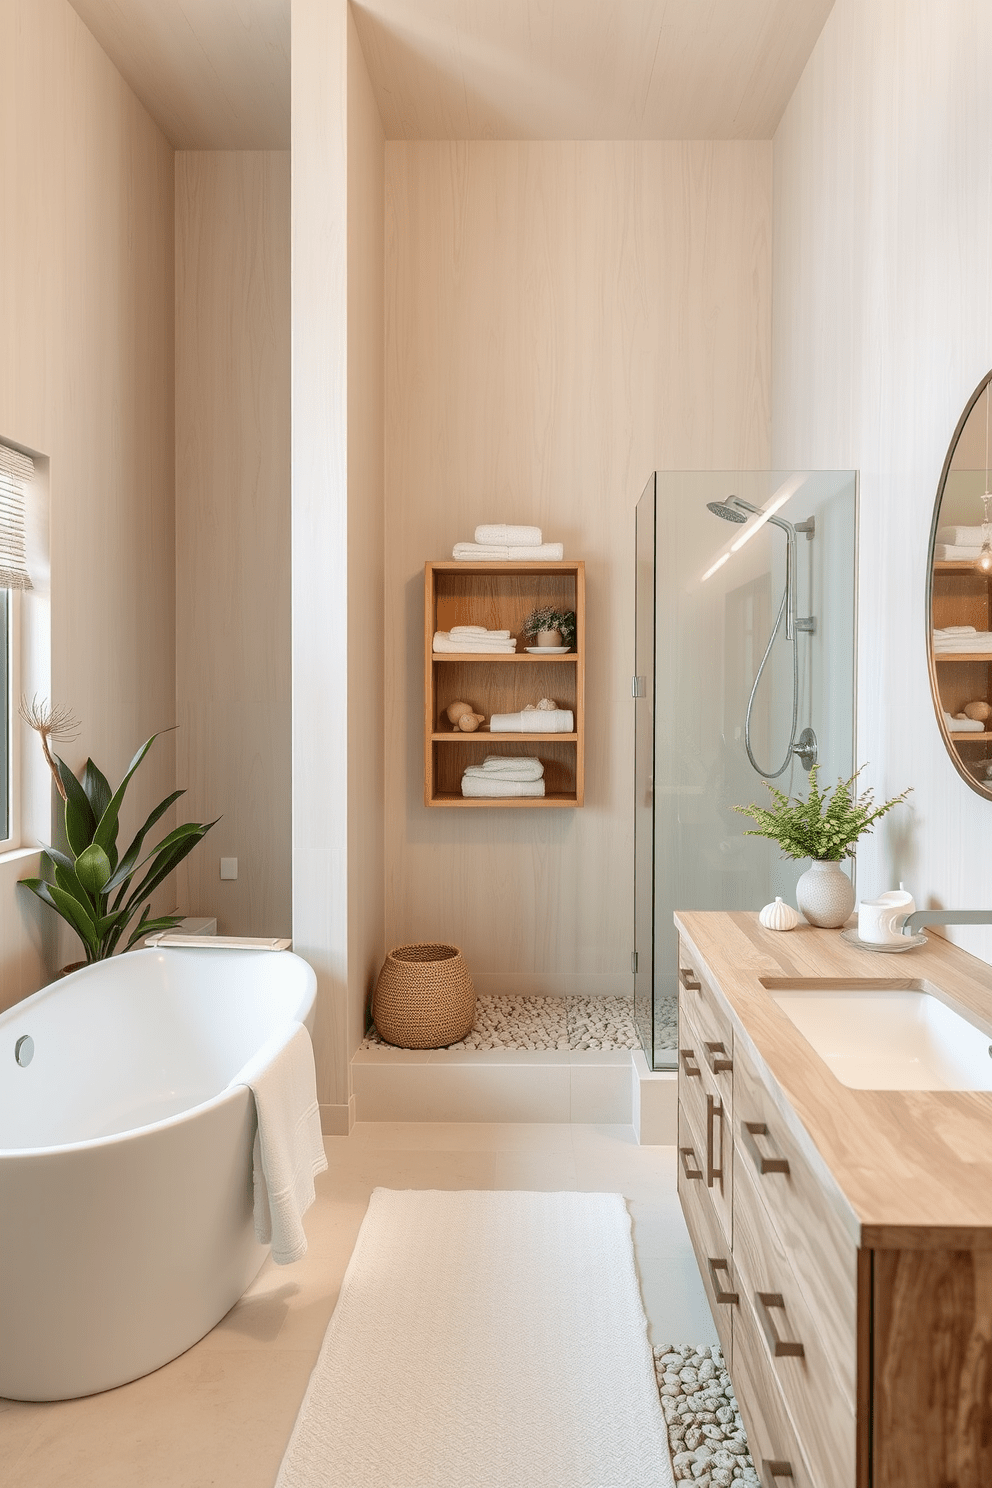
(49,721)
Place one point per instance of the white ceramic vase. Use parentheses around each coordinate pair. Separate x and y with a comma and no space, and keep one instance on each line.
(825,894)
(549,637)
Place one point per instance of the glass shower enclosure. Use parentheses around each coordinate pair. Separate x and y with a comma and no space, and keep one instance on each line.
(745,612)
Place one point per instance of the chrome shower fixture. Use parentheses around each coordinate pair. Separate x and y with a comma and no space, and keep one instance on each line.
(736,509)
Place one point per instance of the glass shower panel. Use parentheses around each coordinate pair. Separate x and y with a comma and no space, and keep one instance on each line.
(643,688)
(719,589)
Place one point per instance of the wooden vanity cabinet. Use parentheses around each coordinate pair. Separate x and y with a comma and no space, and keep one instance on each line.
(861,1358)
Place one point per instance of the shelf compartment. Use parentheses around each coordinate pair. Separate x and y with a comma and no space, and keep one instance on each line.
(484,736)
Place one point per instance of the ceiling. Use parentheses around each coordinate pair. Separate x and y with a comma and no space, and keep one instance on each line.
(215,74)
(586,69)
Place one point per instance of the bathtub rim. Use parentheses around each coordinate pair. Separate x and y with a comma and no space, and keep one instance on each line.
(303,1013)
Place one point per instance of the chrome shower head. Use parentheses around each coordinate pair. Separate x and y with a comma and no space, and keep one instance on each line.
(726,511)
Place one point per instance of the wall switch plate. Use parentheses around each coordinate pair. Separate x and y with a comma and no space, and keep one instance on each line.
(228,867)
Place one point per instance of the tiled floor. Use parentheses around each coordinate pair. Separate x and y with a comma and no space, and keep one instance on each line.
(220,1416)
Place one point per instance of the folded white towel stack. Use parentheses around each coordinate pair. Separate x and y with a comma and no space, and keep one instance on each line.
(504,775)
(503,553)
(479,630)
(958,537)
(289,1150)
(504,535)
(963,725)
(946,553)
(497,643)
(963,638)
(535,721)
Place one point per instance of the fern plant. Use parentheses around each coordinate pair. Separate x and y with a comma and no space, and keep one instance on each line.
(825,826)
(91,885)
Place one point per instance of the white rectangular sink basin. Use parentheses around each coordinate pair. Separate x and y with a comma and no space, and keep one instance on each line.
(890,1040)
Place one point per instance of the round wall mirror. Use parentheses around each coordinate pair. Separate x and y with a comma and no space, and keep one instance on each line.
(959,596)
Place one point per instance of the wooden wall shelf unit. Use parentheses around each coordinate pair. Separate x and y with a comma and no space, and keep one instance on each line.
(500,596)
(962,595)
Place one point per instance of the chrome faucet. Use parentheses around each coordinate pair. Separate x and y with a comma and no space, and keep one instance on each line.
(914,922)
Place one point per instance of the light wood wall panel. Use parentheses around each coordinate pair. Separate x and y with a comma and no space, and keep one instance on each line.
(562,318)
(336,532)
(233,656)
(366,332)
(883,327)
(86,378)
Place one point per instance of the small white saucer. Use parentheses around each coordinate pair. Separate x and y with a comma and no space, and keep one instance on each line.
(907,942)
(547,650)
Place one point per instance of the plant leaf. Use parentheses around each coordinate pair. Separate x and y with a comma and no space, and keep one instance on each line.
(106,832)
(148,927)
(70,909)
(68,882)
(128,862)
(80,823)
(163,866)
(93,869)
(97,788)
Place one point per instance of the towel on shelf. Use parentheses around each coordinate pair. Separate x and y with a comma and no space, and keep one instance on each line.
(478,645)
(963,725)
(503,553)
(289,1151)
(975,641)
(496,785)
(510,769)
(954,630)
(960,537)
(497,763)
(533,722)
(951,553)
(479,630)
(505,535)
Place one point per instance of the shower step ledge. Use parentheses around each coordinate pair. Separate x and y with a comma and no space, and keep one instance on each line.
(598,1086)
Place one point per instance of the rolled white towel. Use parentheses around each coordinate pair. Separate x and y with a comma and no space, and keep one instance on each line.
(946,553)
(538,722)
(958,537)
(504,535)
(494,786)
(479,630)
(476,645)
(963,725)
(501,553)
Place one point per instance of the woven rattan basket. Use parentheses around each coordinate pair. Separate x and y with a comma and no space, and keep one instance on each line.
(424,998)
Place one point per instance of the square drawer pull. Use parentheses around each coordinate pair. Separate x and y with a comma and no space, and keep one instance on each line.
(689,1065)
(717,1265)
(772,1470)
(778,1347)
(689,979)
(718,1058)
(688,1154)
(714,1113)
(750,1130)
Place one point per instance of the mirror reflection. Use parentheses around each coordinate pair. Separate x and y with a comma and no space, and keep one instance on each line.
(961,596)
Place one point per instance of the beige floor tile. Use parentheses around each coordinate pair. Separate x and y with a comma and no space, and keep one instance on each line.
(541,1172)
(454,1136)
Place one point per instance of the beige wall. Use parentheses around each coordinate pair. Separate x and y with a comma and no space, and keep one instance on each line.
(336,512)
(366,333)
(233,662)
(86,359)
(883,328)
(562,318)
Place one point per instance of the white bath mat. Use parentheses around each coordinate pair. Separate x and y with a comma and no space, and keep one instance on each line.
(485,1340)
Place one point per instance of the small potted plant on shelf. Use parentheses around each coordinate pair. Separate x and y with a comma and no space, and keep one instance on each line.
(824,827)
(91,885)
(550,627)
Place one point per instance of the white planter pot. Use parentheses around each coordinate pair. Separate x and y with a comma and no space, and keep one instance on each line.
(549,637)
(825,895)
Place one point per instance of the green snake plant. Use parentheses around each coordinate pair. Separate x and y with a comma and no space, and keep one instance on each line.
(91,885)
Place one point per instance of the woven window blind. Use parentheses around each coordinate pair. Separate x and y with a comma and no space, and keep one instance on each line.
(16,473)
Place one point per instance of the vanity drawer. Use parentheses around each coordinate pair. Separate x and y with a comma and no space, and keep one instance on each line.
(709,1242)
(821,1252)
(771,1438)
(706,1112)
(821,1406)
(698,1005)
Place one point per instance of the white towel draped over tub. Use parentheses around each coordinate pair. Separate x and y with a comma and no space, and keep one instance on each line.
(289,1149)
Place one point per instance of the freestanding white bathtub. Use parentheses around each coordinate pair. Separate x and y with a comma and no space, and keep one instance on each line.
(126,1226)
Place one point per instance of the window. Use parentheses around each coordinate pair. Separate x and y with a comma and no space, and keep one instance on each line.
(16,475)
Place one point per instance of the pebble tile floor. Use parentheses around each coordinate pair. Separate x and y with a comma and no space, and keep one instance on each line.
(560,1023)
(220,1415)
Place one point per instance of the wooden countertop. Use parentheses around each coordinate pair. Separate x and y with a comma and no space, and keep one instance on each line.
(906,1169)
